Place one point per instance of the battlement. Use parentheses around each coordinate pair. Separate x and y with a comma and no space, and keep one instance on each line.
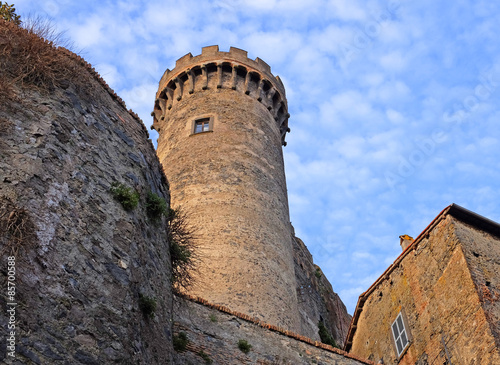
(211,53)
(212,70)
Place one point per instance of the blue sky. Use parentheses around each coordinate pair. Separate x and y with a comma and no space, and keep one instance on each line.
(394,105)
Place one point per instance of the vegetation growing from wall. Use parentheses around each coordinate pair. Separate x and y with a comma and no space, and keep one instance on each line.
(180,342)
(8,13)
(29,58)
(244,346)
(181,236)
(147,305)
(183,248)
(126,196)
(17,228)
(156,206)
(325,336)
(205,357)
(318,273)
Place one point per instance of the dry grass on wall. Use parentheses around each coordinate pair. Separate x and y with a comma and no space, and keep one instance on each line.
(184,248)
(29,60)
(18,230)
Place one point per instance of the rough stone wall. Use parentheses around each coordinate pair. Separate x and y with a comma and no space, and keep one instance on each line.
(433,286)
(216,333)
(231,181)
(317,300)
(83,260)
(482,252)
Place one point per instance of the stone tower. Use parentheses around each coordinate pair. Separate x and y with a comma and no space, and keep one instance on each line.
(222,120)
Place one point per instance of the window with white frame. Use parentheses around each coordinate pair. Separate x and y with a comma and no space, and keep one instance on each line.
(400,334)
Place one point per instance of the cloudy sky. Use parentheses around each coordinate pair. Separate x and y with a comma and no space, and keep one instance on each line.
(394,105)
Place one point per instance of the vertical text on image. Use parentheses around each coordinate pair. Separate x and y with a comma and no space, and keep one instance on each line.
(11,306)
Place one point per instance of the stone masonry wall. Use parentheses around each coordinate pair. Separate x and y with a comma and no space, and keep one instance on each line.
(83,261)
(433,286)
(215,331)
(482,252)
(317,300)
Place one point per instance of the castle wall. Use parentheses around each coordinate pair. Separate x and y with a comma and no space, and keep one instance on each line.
(317,300)
(82,260)
(445,316)
(216,333)
(231,180)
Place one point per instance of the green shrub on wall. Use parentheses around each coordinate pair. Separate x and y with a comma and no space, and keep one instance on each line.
(244,346)
(147,305)
(156,206)
(126,196)
(325,336)
(8,13)
(180,342)
(205,357)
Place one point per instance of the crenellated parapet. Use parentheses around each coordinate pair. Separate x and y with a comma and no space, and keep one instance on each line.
(213,70)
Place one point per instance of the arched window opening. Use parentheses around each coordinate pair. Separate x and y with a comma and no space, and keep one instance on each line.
(171,85)
(197,71)
(211,67)
(241,71)
(266,86)
(254,77)
(276,98)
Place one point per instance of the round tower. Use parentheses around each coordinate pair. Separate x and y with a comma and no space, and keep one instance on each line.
(222,120)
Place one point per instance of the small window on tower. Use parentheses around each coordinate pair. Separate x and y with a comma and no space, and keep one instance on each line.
(202,125)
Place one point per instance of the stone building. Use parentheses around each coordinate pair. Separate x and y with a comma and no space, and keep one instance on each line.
(222,120)
(438,303)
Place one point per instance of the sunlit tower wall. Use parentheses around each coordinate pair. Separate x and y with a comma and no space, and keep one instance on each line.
(222,120)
